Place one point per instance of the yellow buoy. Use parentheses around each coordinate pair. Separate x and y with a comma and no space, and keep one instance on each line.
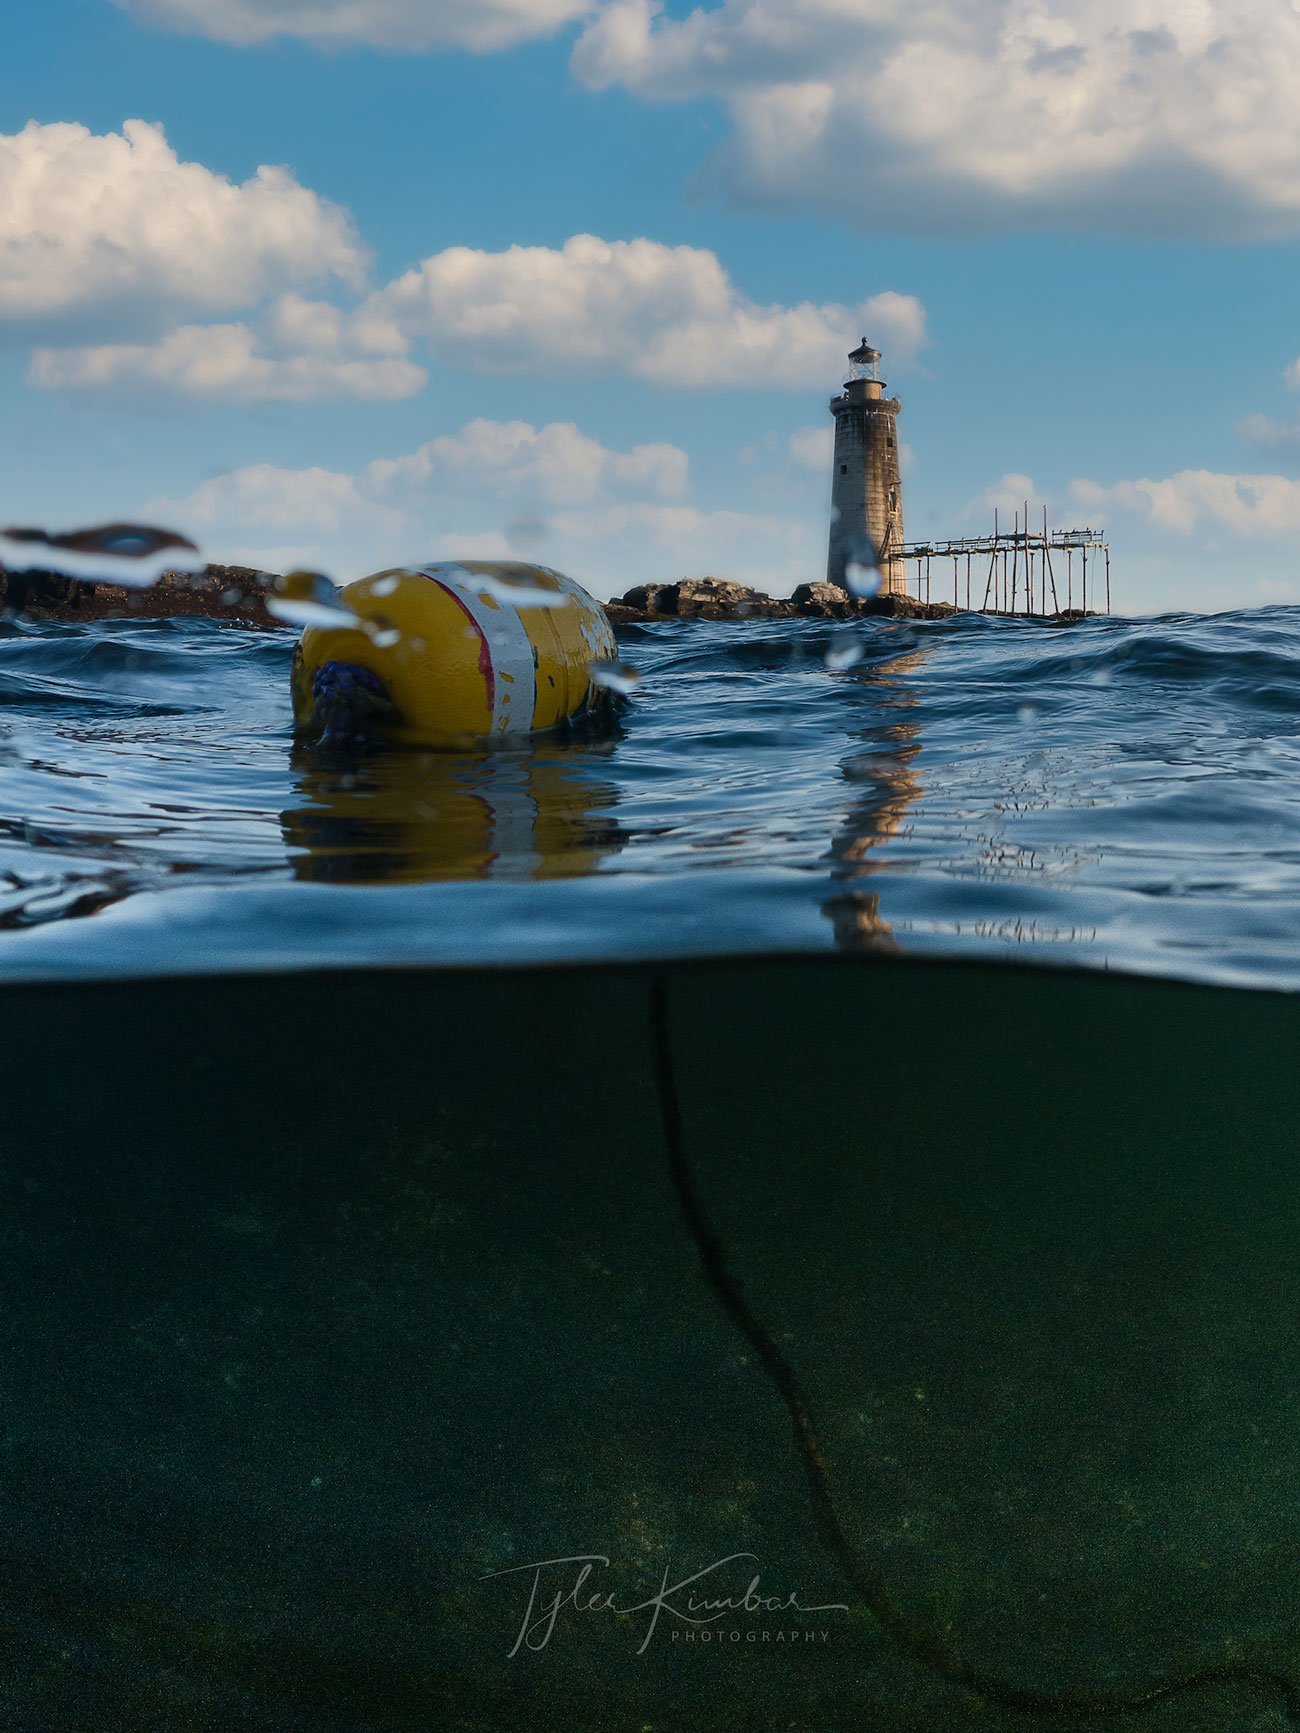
(451,653)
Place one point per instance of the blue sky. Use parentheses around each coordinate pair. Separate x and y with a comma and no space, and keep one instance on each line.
(1074,235)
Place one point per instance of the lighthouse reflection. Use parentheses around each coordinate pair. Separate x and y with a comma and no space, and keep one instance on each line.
(885,786)
(404,817)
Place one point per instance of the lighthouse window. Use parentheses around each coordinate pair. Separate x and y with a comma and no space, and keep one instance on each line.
(844,469)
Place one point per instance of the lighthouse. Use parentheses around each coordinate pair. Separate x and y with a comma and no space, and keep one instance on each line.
(866,491)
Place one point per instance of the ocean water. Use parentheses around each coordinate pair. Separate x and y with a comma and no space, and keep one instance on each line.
(1119,794)
(333,1301)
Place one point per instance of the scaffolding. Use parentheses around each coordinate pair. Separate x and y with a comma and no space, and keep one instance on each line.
(1017,569)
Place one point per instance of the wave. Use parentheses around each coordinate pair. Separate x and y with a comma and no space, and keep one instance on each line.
(1117,791)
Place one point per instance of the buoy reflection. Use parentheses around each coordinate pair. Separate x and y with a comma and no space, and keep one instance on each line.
(411,817)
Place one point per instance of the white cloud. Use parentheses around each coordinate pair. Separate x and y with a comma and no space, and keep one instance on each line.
(670,315)
(630,543)
(1008,496)
(1262,430)
(667,314)
(1251,505)
(485,461)
(494,491)
(265,497)
(1124,115)
(225,363)
(114,230)
(475,545)
(399,24)
(271,556)
(812,447)
(555,464)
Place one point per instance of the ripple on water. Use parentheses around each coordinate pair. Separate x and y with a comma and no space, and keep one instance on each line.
(1121,793)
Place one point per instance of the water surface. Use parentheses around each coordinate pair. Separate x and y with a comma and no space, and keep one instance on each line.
(1118,794)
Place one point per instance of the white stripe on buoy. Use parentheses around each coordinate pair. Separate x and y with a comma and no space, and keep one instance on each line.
(513,682)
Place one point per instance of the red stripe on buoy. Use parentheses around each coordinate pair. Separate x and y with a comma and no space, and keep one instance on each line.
(485,667)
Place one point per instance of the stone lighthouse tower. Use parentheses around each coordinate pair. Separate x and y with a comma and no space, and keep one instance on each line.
(866,492)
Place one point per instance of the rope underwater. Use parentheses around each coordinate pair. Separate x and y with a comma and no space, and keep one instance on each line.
(921,1645)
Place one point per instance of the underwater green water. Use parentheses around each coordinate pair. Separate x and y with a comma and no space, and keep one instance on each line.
(960,1300)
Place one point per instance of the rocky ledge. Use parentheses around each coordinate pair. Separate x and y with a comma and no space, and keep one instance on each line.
(238,593)
(719,599)
(216,593)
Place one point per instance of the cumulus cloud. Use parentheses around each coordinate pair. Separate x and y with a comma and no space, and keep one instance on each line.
(614,546)
(480,25)
(1007,496)
(1263,431)
(485,460)
(690,532)
(671,315)
(556,464)
(265,497)
(114,230)
(498,490)
(226,363)
(811,448)
(1121,115)
(1251,505)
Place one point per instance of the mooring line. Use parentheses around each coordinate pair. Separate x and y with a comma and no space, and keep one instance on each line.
(870,1587)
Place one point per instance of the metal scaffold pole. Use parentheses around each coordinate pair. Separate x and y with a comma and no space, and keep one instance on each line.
(1017,556)
(1015,550)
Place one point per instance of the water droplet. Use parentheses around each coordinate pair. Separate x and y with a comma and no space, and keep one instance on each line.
(862,581)
(1101,677)
(309,599)
(614,677)
(842,656)
(232,597)
(1029,712)
(131,556)
(383,586)
(383,638)
(309,613)
(517,595)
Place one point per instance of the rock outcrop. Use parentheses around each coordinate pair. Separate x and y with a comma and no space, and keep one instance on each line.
(719,599)
(238,593)
(217,592)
